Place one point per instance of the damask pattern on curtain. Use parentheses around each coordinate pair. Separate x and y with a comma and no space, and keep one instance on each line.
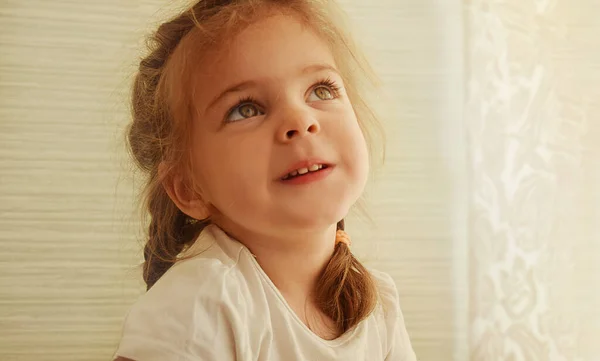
(532,109)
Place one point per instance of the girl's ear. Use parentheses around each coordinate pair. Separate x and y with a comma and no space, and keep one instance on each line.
(188,201)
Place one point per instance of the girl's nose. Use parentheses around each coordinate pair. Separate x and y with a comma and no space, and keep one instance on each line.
(297,123)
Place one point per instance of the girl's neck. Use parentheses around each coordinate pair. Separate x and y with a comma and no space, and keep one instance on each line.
(293,262)
(295,266)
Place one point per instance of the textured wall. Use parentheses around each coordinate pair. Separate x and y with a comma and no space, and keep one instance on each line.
(534,156)
(417,201)
(67,251)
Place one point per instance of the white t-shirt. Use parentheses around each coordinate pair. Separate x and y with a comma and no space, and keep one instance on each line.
(220,305)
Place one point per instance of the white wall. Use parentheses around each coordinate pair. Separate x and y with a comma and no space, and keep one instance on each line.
(418,201)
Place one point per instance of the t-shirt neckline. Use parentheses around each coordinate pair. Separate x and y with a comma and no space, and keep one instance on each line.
(342,339)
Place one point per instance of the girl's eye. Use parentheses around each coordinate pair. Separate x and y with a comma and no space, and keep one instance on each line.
(325,90)
(243,111)
(323,93)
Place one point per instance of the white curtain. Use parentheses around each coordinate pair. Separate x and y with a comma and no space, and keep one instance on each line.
(532,109)
(487,212)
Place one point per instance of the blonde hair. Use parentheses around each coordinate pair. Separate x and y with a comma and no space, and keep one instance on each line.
(162,111)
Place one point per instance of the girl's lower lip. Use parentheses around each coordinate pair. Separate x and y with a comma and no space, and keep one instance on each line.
(309,177)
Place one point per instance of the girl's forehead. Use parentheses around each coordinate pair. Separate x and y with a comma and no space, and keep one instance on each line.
(267,46)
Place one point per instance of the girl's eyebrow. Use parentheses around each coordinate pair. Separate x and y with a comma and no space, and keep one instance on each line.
(312,68)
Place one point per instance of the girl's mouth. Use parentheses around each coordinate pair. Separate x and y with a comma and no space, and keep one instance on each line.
(307,175)
(301,172)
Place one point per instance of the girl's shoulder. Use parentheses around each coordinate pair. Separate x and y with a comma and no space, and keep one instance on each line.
(390,316)
(388,306)
(208,270)
(386,287)
(178,316)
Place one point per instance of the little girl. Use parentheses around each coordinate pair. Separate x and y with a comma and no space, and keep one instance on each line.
(248,119)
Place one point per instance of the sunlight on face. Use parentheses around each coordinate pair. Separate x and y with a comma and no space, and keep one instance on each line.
(276,140)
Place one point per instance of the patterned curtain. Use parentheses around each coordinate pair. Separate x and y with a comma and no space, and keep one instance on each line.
(532,109)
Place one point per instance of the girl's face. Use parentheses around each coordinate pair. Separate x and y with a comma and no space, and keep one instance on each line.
(271,103)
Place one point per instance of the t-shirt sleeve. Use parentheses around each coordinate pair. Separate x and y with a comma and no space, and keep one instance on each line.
(181,320)
(398,343)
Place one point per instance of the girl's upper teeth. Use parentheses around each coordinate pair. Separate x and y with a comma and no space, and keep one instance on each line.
(312,168)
